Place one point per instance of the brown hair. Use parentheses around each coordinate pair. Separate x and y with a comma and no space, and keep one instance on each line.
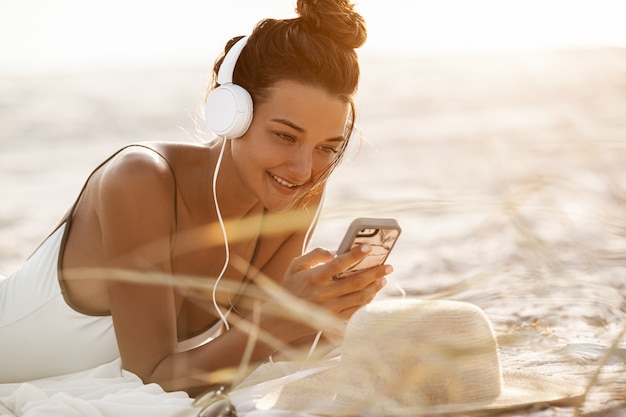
(317,48)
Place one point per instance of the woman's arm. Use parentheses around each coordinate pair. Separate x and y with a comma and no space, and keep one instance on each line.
(190,370)
(135,208)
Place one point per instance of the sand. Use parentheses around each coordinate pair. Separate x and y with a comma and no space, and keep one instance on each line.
(506,173)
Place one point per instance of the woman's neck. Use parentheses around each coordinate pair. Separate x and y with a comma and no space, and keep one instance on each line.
(234,199)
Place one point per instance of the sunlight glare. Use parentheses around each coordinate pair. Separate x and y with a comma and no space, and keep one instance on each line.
(461,26)
(70,35)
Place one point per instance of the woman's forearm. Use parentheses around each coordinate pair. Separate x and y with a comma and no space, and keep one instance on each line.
(248,342)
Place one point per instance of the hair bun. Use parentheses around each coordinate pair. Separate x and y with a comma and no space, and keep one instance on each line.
(335,19)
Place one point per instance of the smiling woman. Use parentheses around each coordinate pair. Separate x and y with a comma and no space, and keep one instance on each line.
(296,136)
(135,265)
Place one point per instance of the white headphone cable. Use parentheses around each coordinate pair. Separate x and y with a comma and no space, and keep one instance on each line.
(227,250)
(304,246)
(225,236)
(313,222)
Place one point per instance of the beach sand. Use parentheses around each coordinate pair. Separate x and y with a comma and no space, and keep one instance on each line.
(505,171)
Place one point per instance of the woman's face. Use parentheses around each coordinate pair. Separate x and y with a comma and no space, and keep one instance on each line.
(294,136)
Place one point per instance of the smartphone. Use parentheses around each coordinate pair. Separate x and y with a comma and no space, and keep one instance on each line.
(381,234)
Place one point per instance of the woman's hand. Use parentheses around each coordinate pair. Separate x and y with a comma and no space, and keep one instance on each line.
(309,277)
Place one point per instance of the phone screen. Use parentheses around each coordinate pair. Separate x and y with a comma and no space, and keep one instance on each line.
(380,234)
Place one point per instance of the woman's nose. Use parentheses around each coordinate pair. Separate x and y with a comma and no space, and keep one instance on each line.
(301,163)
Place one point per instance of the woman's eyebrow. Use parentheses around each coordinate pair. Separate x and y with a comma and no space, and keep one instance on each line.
(336,139)
(290,124)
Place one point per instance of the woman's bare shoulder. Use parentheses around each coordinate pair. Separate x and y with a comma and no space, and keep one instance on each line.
(135,166)
(136,181)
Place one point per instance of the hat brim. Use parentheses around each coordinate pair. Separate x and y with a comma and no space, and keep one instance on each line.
(327,393)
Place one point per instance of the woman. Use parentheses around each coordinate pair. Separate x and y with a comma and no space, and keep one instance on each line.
(113,279)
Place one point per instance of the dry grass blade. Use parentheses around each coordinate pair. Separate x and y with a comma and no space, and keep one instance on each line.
(284,303)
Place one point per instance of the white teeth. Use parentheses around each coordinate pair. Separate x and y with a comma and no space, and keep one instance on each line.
(283,182)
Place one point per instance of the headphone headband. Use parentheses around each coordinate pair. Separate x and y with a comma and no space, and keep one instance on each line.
(227,68)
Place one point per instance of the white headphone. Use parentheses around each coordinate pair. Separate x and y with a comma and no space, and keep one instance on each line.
(228,108)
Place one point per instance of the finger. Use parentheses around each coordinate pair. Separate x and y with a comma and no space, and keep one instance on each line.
(344,261)
(359,280)
(348,313)
(311,259)
(349,303)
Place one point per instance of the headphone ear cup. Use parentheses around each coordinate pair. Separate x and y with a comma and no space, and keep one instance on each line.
(228,111)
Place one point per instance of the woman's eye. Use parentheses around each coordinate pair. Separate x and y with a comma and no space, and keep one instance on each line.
(286,137)
(329,149)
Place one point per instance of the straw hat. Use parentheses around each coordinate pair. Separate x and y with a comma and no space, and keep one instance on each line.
(412,357)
